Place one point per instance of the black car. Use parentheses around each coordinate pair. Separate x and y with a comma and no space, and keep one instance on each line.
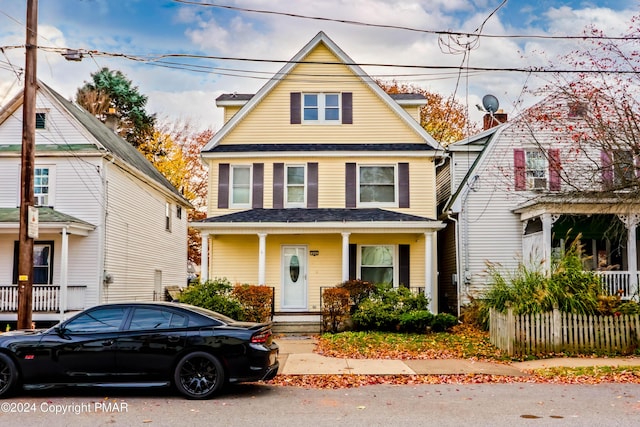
(145,344)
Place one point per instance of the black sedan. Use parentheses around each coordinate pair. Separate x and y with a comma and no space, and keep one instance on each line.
(140,344)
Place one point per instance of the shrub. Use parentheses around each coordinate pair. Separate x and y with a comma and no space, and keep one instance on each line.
(443,321)
(416,321)
(335,309)
(255,301)
(214,295)
(476,313)
(358,291)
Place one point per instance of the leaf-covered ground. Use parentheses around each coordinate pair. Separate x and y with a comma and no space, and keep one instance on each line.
(461,343)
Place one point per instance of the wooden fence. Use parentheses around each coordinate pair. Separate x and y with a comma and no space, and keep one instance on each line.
(556,332)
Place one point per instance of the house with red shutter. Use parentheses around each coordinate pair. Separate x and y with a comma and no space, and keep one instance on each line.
(521,190)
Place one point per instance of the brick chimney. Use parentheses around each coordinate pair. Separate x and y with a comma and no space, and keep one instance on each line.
(498,118)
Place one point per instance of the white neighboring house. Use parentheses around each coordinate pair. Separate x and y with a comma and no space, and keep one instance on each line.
(111,227)
(515,192)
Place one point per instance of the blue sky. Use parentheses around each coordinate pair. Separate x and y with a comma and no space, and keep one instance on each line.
(152,27)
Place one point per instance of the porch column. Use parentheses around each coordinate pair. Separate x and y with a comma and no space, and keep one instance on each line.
(262,258)
(547,225)
(345,256)
(430,285)
(204,258)
(64,272)
(631,224)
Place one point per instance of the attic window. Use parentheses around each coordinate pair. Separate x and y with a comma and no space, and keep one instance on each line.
(41,120)
(577,109)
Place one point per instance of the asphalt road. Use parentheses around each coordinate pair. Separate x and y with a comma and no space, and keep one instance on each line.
(258,405)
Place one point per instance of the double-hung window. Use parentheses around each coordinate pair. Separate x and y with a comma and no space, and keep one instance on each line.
(377,185)
(41,186)
(536,170)
(296,183)
(624,169)
(321,108)
(240,193)
(377,263)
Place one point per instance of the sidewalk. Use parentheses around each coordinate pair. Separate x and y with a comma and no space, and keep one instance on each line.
(297,358)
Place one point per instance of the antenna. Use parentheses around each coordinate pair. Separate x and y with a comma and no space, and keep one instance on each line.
(490,103)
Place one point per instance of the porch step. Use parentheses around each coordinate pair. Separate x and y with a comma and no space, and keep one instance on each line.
(296,328)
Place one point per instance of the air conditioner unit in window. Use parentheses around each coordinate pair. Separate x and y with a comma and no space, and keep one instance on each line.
(539,183)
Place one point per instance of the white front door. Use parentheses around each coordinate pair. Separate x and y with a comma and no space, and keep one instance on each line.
(294,277)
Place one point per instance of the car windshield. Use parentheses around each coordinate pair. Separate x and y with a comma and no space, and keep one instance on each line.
(213,314)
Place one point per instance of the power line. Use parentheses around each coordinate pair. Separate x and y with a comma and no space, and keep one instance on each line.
(405,28)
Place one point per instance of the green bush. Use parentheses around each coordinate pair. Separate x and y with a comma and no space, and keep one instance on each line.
(214,295)
(358,291)
(416,321)
(443,321)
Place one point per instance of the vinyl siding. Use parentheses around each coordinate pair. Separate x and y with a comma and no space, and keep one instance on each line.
(373,121)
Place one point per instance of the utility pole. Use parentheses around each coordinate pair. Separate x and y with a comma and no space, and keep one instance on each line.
(25,243)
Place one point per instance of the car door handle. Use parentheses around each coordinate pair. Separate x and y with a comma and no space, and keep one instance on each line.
(107,343)
(173,338)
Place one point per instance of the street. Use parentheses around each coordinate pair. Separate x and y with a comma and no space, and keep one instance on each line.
(264,405)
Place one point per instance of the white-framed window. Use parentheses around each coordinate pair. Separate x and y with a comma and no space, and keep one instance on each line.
(321,108)
(42,185)
(377,263)
(296,181)
(377,185)
(536,170)
(240,186)
(167,216)
(624,168)
(41,119)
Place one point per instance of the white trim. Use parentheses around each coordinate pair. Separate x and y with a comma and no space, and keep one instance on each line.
(262,258)
(303,203)
(345,256)
(333,227)
(321,108)
(394,266)
(396,192)
(327,153)
(231,186)
(303,276)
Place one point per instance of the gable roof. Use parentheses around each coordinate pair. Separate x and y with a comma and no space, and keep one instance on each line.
(250,102)
(108,140)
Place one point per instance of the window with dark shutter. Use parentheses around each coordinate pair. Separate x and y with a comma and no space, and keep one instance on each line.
(278,185)
(296,117)
(350,185)
(404,252)
(223,185)
(258,180)
(607,168)
(554,169)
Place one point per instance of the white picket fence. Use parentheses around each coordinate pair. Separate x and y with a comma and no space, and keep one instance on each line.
(45,298)
(555,332)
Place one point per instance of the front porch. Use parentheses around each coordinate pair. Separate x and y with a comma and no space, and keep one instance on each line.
(49,302)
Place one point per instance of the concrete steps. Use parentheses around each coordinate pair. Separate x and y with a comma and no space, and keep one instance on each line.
(296,328)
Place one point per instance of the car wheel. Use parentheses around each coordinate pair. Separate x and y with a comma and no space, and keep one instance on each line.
(198,375)
(8,375)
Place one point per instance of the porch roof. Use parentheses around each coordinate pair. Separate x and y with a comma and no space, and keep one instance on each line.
(320,220)
(49,220)
(582,203)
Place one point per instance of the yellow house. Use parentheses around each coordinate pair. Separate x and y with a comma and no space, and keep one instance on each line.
(318,178)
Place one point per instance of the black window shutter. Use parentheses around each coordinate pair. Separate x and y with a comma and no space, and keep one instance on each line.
(296,110)
(403,264)
(350,185)
(223,185)
(258,185)
(353,259)
(347,108)
(403,185)
(312,185)
(278,185)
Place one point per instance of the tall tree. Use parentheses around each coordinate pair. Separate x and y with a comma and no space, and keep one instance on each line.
(111,89)
(444,118)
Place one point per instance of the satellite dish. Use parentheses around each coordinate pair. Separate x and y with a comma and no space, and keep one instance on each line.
(490,103)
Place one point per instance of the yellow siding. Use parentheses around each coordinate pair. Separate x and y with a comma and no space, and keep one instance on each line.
(236,258)
(373,121)
(331,182)
(414,111)
(229,112)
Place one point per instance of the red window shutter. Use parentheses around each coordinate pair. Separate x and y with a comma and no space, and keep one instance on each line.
(278,185)
(296,108)
(223,185)
(607,168)
(554,169)
(347,108)
(312,185)
(519,169)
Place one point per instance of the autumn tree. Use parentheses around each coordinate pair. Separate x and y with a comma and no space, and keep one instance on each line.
(112,89)
(444,118)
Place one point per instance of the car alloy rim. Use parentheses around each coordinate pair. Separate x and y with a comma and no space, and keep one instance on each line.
(198,375)
(5,375)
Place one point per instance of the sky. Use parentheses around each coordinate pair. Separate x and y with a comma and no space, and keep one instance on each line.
(184,89)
